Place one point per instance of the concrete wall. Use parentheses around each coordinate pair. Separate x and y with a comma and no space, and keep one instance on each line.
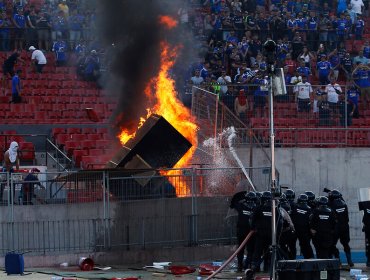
(137,225)
(344,169)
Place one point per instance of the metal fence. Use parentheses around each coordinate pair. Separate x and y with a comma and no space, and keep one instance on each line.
(312,125)
(108,210)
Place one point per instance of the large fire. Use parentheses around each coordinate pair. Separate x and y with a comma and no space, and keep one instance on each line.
(165,103)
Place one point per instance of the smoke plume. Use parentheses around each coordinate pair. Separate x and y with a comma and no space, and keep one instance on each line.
(133,27)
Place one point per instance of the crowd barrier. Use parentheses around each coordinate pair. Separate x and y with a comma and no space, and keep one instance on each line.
(107,210)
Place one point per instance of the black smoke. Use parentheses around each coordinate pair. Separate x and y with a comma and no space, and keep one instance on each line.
(134,29)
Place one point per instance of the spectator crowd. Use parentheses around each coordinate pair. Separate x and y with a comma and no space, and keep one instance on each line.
(315,42)
(318,42)
(65,27)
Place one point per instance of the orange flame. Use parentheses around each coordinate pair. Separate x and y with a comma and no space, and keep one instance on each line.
(168,105)
(168,21)
(175,113)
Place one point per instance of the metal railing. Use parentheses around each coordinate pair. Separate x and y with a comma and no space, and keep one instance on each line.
(310,126)
(108,210)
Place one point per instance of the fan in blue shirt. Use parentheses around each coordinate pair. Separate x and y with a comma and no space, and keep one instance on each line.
(323,69)
(359,27)
(353,95)
(60,48)
(303,70)
(16,87)
(20,23)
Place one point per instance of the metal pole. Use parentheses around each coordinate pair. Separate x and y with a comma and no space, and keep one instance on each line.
(216,124)
(273,179)
(104,211)
(194,194)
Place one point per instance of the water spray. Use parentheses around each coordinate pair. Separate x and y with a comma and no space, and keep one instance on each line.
(230,131)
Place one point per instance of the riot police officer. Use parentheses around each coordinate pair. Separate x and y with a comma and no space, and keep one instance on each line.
(288,238)
(365,206)
(339,206)
(245,208)
(301,219)
(290,196)
(311,199)
(261,223)
(322,227)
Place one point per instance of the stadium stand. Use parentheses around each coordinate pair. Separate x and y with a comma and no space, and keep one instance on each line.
(63,99)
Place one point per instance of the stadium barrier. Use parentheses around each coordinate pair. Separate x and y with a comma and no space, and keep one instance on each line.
(106,210)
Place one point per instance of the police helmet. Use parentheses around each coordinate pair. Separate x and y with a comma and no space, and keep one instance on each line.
(335,194)
(323,200)
(310,195)
(282,197)
(290,194)
(302,198)
(251,196)
(266,196)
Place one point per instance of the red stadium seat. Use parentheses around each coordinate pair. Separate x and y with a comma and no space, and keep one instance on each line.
(71,145)
(57,77)
(27,151)
(88,130)
(78,137)
(54,84)
(68,84)
(63,70)
(96,152)
(94,136)
(88,144)
(77,155)
(74,130)
(65,91)
(57,130)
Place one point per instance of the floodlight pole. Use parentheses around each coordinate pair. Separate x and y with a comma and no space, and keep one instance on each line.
(271,70)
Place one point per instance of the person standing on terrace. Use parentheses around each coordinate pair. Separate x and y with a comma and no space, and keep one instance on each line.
(11,158)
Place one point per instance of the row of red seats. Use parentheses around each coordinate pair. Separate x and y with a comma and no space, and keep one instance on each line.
(88,146)
(48,69)
(20,110)
(84,130)
(302,122)
(54,84)
(52,117)
(49,76)
(317,138)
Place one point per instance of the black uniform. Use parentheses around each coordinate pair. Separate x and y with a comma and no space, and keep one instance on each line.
(245,209)
(324,113)
(288,238)
(365,206)
(311,200)
(342,230)
(261,223)
(301,220)
(323,222)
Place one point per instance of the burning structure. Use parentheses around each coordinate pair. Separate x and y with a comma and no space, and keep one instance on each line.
(157,144)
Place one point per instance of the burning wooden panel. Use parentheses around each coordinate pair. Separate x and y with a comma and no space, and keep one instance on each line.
(157,144)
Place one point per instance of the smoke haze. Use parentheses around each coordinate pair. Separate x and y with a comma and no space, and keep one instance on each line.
(133,27)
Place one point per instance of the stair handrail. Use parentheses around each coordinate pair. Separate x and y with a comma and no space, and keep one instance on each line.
(59,152)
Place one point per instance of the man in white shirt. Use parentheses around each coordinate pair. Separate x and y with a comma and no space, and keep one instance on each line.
(303,94)
(38,58)
(223,80)
(333,90)
(357,6)
(197,80)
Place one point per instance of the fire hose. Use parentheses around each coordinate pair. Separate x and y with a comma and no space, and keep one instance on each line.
(232,256)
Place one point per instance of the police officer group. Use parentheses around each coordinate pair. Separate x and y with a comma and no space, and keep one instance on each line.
(323,221)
